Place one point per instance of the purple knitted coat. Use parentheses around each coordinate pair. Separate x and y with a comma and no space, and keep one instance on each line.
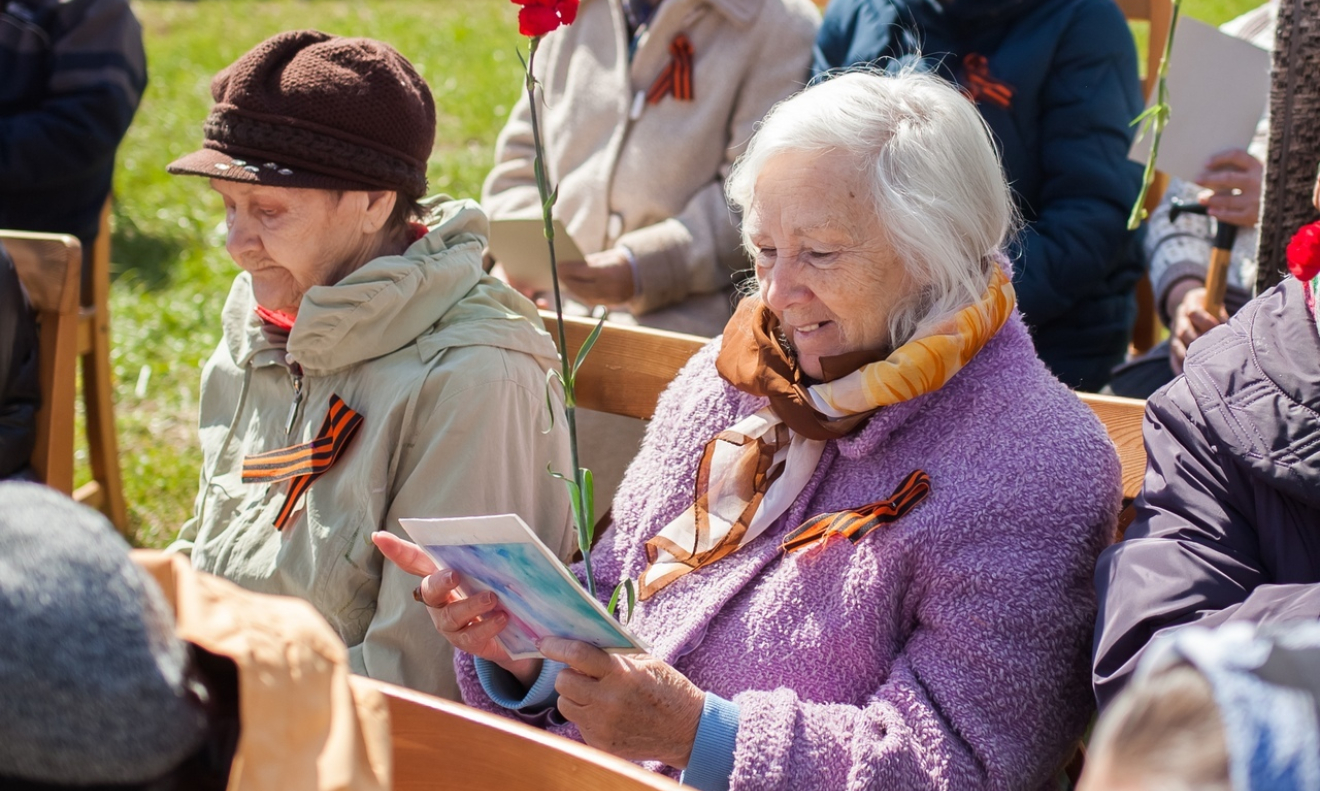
(949,650)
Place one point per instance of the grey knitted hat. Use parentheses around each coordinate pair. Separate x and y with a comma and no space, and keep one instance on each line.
(92,676)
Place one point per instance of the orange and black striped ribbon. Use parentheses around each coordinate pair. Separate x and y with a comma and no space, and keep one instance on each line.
(677,76)
(303,464)
(981,85)
(859,523)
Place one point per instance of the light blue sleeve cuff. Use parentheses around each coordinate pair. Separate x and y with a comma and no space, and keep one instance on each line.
(711,764)
(504,690)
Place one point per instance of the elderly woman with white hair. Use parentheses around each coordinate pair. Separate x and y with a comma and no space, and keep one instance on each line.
(863,521)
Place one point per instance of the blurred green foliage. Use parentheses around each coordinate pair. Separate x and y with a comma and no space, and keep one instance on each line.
(171,271)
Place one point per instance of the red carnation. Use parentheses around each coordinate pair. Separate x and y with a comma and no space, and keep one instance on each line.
(1304,252)
(538,17)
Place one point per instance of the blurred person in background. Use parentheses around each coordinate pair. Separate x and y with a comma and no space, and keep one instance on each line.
(1056,81)
(647,103)
(1178,253)
(1228,709)
(72,74)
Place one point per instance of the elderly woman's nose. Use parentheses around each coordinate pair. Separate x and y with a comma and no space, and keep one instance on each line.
(781,286)
(241,236)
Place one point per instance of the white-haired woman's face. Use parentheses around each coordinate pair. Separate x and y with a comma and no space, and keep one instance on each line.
(823,262)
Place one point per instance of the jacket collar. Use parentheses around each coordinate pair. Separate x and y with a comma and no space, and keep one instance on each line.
(434,294)
(1256,381)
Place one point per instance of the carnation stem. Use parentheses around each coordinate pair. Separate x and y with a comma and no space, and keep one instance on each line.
(1158,120)
(582,518)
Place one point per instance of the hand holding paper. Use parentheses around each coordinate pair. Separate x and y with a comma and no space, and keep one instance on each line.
(469,624)
(534,591)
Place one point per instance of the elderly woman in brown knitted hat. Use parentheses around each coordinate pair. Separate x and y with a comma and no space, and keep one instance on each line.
(369,369)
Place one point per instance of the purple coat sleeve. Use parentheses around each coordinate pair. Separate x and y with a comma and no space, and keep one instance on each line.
(1192,555)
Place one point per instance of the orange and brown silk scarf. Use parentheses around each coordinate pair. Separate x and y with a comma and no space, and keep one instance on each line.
(751,472)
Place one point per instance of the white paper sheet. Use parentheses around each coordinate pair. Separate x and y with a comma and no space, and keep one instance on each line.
(1218,87)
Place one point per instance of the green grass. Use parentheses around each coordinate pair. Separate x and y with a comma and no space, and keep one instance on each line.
(171,270)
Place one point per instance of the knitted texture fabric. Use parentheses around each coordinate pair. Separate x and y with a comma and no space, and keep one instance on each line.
(92,676)
(948,650)
(1294,147)
(308,109)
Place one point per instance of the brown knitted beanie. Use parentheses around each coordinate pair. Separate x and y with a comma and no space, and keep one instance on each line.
(311,110)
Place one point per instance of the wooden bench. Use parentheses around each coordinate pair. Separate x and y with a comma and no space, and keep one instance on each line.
(439,744)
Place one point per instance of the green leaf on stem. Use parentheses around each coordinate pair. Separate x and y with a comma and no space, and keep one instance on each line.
(575,498)
(586,346)
(549,397)
(612,607)
(550,202)
(587,486)
(625,586)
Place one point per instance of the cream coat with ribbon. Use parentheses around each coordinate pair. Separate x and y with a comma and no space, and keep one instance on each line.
(651,176)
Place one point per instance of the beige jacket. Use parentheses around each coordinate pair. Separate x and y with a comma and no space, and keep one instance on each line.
(305,724)
(448,368)
(651,177)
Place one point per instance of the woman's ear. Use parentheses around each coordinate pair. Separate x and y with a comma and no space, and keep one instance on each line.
(380,203)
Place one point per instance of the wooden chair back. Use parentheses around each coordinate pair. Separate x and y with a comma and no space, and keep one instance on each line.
(49,266)
(105,490)
(439,744)
(1158,16)
(629,367)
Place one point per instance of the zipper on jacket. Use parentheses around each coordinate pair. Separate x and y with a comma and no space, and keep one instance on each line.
(295,371)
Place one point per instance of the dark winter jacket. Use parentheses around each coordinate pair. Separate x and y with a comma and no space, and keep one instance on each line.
(20,390)
(1228,521)
(1056,81)
(71,75)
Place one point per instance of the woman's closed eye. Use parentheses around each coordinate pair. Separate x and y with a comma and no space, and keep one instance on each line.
(821,257)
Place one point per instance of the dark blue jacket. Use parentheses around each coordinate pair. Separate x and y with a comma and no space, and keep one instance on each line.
(71,75)
(1056,81)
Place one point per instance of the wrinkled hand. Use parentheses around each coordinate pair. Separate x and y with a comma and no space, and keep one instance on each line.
(1232,179)
(1190,321)
(469,624)
(605,278)
(631,705)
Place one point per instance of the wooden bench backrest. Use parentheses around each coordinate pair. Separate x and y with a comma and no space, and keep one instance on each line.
(629,367)
(439,744)
(50,266)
